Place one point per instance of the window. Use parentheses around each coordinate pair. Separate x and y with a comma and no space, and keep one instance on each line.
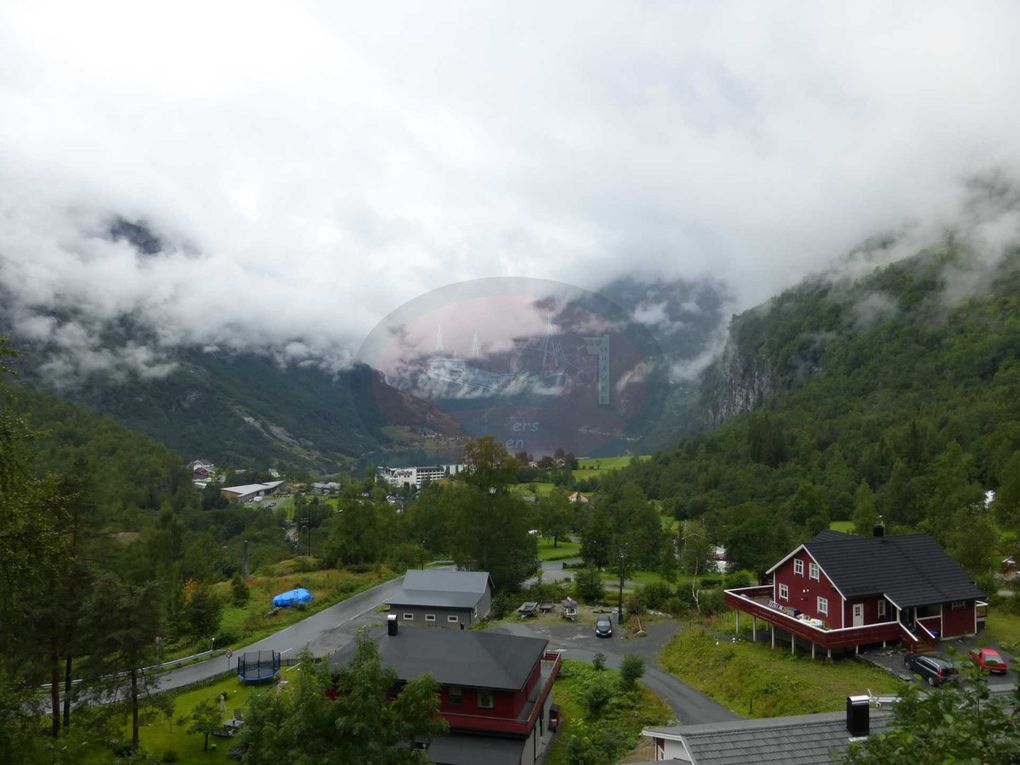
(881,609)
(784,592)
(430,617)
(823,606)
(813,571)
(453,618)
(485,699)
(798,567)
(408,617)
(958,604)
(455,695)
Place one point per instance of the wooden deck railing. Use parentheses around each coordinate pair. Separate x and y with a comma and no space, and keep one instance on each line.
(742,599)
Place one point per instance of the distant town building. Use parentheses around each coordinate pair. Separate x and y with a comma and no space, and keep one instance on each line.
(251,492)
(416,476)
(329,487)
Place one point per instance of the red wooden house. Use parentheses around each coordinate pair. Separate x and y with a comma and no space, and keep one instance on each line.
(496,690)
(841,590)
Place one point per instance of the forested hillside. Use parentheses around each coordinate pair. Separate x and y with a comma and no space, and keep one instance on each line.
(895,394)
(128,471)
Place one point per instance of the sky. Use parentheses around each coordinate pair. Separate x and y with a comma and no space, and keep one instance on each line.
(310,167)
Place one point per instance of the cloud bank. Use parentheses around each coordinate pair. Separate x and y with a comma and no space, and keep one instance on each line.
(308,167)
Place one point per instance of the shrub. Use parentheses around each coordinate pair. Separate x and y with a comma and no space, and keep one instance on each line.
(635,605)
(588,586)
(599,661)
(712,602)
(170,756)
(597,695)
(501,605)
(656,594)
(631,669)
(741,578)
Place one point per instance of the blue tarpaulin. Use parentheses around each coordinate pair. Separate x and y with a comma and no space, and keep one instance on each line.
(292,598)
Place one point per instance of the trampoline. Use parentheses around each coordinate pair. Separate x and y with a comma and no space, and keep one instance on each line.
(258,666)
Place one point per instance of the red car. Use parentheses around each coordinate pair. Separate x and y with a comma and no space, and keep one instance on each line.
(990,660)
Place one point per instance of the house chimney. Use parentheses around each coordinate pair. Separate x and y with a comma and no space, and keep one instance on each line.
(391,626)
(858,722)
(878,530)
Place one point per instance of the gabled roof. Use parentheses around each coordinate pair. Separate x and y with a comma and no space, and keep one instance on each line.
(468,658)
(797,740)
(461,749)
(910,569)
(450,589)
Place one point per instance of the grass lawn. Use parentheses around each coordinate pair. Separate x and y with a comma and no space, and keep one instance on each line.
(847,527)
(644,578)
(624,718)
(566,549)
(1003,628)
(757,681)
(158,735)
(594,467)
(250,623)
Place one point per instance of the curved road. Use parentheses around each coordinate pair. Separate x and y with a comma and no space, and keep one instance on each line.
(691,706)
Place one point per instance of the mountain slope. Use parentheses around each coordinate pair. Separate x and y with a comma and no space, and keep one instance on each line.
(895,393)
(245,409)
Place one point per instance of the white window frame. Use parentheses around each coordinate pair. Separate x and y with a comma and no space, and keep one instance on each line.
(823,606)
(453,619)
(798,566)
(784,592)
(408,617)
(430,617)
(813,572)
(881,608)
(958,604)
(485,699)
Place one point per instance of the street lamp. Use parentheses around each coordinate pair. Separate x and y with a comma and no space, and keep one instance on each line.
(619,604)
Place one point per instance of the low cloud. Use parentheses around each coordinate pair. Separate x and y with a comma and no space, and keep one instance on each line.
(279,177)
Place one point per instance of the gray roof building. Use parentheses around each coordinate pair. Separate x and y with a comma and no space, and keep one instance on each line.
(443,597)
(468,658)
(818,739)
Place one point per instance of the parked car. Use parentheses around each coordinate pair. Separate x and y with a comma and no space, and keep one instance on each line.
(603,626)
(990,660)
(931,668)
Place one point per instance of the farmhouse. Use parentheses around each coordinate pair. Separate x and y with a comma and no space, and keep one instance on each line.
(452,599)
(496,690)
(842,591)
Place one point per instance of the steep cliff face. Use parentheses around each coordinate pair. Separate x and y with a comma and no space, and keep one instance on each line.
(741,380)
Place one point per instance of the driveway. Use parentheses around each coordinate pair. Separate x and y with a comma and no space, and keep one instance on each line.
(891,660)
(578,641)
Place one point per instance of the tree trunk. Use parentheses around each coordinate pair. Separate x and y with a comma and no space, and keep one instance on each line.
(68,662)
(55,692)
(206,747)
(134,709)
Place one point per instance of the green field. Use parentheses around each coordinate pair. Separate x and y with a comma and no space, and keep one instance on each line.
(593,467)
(566,549)
(1002,628)
(847,527)
(756,681)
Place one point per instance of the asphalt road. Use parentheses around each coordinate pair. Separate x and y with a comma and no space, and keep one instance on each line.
(576,640)
(290,640)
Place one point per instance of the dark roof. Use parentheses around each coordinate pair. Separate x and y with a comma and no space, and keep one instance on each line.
(459,749)
(910,569)
(797,740)
(450,589)
(459,657)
